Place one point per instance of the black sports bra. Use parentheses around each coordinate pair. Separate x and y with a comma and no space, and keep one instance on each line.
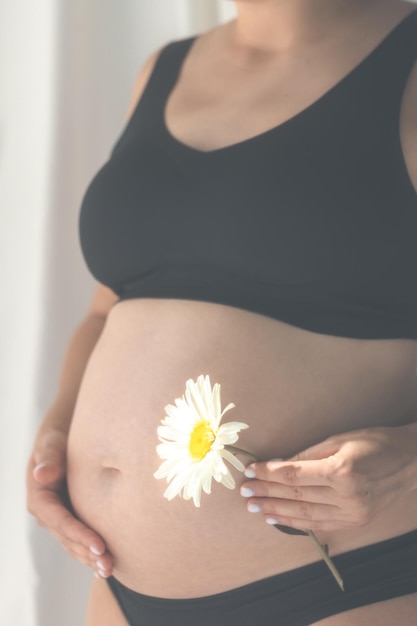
(313,222)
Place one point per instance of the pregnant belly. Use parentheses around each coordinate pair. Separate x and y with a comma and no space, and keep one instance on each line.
(292,387)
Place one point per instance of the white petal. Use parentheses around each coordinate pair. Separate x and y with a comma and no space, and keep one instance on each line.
(197,498)
(210,395)
(217,407)
(172,412)
(173,434)
(227,433)
(171,449)
(233,426)
(206,483)
(176,485)
(233,460)
(228,480)
(165,468)
(227,408)
(195,400)
(195,483)
(178,467)
(218,466)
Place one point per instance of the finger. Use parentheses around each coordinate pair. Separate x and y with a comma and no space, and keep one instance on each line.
(300,524)
(268,489)
(103,563)
(48,472)
(84,554)
(306,511)
(51,514)
(50,446)
(50,511)
(299,473)
(49,457)
(332,523)
(77,551)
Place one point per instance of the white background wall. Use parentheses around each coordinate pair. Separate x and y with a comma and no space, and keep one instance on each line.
(67,68)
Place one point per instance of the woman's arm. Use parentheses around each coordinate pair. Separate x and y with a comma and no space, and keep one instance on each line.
(342,482)
(46,486)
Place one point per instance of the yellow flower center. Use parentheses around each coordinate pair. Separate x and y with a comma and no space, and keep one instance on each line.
(201,439)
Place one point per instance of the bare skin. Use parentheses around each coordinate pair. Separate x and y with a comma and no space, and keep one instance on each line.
(294,388)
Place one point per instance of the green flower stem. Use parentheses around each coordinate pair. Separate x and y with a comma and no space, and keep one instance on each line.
(325,555)
(236,451)
(321,548)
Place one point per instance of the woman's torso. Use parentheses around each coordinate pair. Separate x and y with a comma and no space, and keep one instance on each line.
(292,386)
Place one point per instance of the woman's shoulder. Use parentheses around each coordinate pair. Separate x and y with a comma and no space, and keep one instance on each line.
(208,41)
(142,77)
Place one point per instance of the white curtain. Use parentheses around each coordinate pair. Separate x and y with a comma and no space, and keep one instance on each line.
(67,69)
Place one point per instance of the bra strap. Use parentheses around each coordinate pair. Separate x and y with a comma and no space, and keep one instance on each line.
(163,77)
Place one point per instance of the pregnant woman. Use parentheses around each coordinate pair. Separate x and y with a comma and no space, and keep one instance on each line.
(256,222)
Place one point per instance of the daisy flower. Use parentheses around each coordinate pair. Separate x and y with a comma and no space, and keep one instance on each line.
(194,445)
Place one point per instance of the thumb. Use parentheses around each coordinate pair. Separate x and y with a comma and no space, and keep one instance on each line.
(47,472)
(50,459)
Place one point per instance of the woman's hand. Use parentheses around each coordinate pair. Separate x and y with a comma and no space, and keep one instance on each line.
(342,482)
(47,500)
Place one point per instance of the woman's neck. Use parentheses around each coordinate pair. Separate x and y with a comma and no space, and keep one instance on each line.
(281,25)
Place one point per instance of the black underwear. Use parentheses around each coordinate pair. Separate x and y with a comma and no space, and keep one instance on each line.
(299,597)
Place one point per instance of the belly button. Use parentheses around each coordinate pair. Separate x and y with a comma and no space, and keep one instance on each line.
(110,469)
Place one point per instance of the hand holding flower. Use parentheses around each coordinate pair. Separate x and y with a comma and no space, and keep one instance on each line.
(342,482)
(194,447)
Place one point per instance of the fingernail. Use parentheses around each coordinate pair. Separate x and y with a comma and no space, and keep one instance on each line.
(246,492)
(253,508)
(95,551)
(41,465)
(102,574)
(271,521)
(100,565)
(249,472)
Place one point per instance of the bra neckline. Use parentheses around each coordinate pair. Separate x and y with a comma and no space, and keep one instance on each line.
(181,146)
